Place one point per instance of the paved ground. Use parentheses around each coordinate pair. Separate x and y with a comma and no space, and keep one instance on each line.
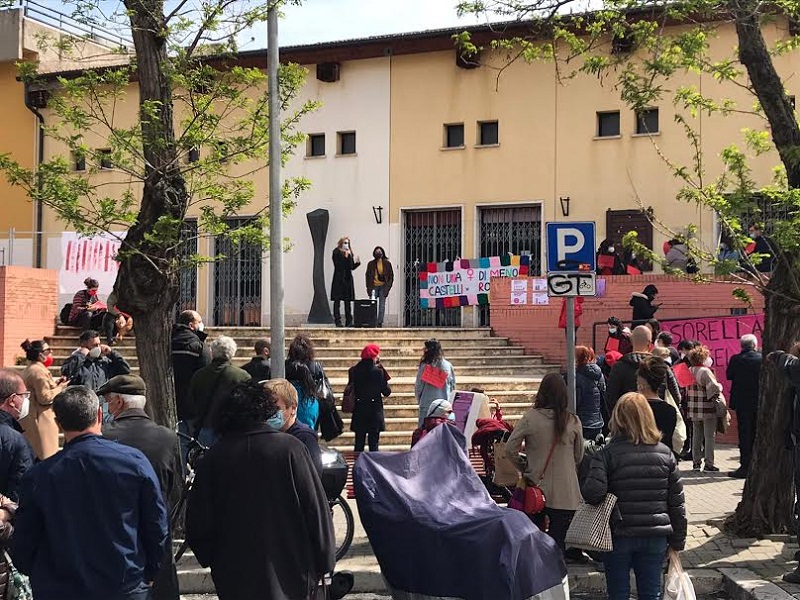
(709,497)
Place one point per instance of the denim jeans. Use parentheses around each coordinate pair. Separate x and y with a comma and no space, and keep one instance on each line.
(380,294)
(646,556)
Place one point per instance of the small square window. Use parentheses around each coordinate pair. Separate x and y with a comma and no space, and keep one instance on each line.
(489,133)
(608,124)
(316,145)
(647,121)
(347,142)
(105,158)
(454,135)
(194,155)
(79,162)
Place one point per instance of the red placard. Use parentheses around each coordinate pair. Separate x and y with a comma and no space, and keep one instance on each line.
(612,344)
(436,377)
(632,270)
(683,375)
(605,261)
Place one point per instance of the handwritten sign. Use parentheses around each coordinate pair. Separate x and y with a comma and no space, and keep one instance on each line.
(83,257)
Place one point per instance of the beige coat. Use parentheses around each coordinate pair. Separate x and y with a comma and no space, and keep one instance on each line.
(40,424)
(560,482)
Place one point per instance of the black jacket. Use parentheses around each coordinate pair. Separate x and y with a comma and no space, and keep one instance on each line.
(623,379)
(643,309)
(370,387)
(590,388)
(16,456)
(791,366)
(259,517)
(259,368)
(647,483)
(342,287)
(189,355)
(81,369)
(744,370)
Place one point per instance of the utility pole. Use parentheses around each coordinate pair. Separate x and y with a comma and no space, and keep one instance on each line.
(276,316)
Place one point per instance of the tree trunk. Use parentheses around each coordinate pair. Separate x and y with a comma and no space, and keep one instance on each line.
(766,505)
(147,283)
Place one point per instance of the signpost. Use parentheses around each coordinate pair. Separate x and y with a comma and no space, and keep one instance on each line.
(571,272)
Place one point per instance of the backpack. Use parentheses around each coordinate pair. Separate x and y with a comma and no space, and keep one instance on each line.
(63,316)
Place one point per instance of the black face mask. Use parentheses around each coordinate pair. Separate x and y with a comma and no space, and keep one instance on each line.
(378,255)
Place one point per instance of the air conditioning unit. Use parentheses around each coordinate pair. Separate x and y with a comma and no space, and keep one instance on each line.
(38,98)
(328,72)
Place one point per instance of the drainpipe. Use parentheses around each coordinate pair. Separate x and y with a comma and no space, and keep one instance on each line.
(39,160)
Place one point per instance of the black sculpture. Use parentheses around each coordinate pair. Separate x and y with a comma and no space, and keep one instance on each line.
(320,312)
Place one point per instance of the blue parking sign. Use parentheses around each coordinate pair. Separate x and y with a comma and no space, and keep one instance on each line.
(571,246)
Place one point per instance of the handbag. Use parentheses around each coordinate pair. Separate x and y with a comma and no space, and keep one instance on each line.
(330,422)
(19,586)
(679,585)
(505,473)
(349,398)
(529,498)
(590,528)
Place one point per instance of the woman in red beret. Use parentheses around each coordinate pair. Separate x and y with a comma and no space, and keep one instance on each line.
(371,383)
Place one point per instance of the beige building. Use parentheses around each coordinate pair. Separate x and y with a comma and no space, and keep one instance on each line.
(467,162)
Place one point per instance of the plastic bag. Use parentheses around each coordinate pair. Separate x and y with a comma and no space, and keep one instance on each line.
(679,586)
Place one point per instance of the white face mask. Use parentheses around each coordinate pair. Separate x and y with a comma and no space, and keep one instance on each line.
(23,410)
(612,330)
(708,363)
(346,246)
(95,352)
(611,249)
(201,326)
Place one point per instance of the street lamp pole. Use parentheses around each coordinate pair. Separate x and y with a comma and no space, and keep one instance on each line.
(276,316)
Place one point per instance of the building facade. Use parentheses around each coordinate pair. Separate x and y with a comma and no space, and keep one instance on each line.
(433,158)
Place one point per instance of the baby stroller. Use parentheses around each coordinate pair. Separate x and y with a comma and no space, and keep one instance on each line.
(491,431)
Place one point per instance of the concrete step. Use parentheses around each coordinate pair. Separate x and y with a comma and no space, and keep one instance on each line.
(315,332)
(392,363)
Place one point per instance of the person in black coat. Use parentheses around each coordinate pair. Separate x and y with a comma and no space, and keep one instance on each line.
(258,367)
(650,513)
(608,260)
(643,307)
(744,370)
(371,383)
(132,426)
(17,455)
(189,354)
(590,389)
(342,286)
(258,514)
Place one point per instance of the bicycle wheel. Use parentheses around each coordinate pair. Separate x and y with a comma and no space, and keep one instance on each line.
(343,526)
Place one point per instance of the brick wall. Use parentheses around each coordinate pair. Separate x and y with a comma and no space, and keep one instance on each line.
(28,308)
(536,327)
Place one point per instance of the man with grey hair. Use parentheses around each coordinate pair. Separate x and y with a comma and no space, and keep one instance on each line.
(211,386)
(91,522)
(744,370)
(126,397)
(17,455)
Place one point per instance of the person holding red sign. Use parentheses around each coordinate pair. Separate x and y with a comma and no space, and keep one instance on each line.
(435,378)
(608,260)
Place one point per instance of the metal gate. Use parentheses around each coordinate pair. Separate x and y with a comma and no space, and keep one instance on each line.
(429,236)
(514,229)
(237,281)
(187,278)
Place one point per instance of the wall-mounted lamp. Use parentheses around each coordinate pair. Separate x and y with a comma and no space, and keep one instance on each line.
(377,212)
(564,200)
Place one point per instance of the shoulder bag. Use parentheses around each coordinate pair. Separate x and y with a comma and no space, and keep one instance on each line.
(349,398)
(590,528)
(530,498)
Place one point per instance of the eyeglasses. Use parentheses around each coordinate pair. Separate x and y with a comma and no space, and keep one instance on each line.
(23,395)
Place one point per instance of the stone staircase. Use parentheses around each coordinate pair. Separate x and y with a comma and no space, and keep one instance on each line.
(479,359)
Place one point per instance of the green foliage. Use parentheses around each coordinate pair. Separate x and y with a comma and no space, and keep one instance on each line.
(219,110)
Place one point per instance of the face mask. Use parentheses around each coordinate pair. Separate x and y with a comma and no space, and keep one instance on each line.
(611,249)
(93,292)
(48,360)
(276,421)
(378,255)
(612,330)
(107,416)
(708,363)
(201,326)
(23,410)
(346,246)
(682,355)
(451,416)
(95,352)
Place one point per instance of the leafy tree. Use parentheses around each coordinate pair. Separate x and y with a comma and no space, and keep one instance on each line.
(630,45)
(194,99)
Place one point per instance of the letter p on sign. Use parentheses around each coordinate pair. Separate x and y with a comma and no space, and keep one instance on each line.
(569,241)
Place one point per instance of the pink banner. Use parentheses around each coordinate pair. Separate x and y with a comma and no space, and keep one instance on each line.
(720,334)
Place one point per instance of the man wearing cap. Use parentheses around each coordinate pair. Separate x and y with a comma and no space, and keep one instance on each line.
(125,397)
(370,384)
(91,522)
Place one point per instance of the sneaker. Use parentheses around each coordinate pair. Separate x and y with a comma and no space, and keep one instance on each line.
(738,474)
(696,468)
(711,468)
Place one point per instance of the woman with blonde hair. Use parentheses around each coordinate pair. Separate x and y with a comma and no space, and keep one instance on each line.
(702,395)
(553,439)
(643,474)
(342,287)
